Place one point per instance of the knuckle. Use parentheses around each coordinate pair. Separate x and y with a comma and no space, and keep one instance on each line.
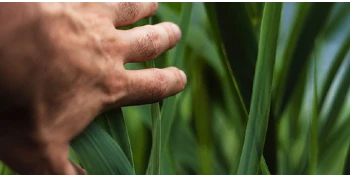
(148,45)
(154,8)
(114,86)
(111,45)
(160,91)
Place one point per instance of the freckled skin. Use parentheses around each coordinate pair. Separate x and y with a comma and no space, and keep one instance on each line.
(63,63)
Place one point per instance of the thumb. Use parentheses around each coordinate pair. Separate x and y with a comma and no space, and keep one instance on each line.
(78,170)
(58,163)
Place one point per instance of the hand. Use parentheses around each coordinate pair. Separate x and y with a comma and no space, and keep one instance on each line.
(63,63)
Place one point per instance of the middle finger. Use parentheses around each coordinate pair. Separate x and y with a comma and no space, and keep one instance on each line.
(147,42)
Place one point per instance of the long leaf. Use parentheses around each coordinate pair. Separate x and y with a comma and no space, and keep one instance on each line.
(239,43)
(333,144)
(329,115)
(4,170)
(113,122)
(154,166)
(166,117)
(169,105)
(230,77)
(261,97)
(299,51)
(341,54)
(314,124)
(99,154)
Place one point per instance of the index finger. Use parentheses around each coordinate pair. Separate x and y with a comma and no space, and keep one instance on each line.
(123,13)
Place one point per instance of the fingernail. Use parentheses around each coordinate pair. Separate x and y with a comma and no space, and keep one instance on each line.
(183,76)
(177,31)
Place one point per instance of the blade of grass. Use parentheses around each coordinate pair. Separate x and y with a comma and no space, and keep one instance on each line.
(347,162)
(169,105)
(242,111)
(154,166)
(329,117)
(229,76)
(298,51)
(177,58)
(314,124)
(341,54)
(261,97)
(73,156)
(264,168)
(184,154)
(239,43)
(195,34)
(333,144)
(202,112)
(113,122)
(99,154)
(4,170)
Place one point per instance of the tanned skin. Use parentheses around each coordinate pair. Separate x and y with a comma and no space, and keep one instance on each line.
(61,64)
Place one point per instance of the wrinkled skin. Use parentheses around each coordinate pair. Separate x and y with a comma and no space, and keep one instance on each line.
(63,63)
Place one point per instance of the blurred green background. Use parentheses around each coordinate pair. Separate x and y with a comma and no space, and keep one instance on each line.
(267,93)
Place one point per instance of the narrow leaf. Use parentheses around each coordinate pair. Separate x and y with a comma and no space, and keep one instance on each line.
(154,166)
(341,54)
(329,116)
(261,97)
(239,42)
(299,51)
(99,154)
(115,126)
(314,124)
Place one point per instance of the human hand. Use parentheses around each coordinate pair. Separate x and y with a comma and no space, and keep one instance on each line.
(63,63)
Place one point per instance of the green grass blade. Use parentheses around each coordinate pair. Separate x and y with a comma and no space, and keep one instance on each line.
(314,124)
(113,122)
(184,147)
(229,76)
(341,54)
(261,97)
(156,153)
(195,34)
(185,17)
(4,170)
(264,168)
(239,42)
(99,154)
(166,117)
(299,51)
(73,156)
(211,12)
(202,112)
(329,115)
(169,105)
(154,166)
(332,145)
(347,162)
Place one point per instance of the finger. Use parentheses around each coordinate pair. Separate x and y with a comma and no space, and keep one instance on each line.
(130,12)
(123,13)
(152,85)
(147,42)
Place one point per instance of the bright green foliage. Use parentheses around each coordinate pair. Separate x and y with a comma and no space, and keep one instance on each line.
(267,93)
